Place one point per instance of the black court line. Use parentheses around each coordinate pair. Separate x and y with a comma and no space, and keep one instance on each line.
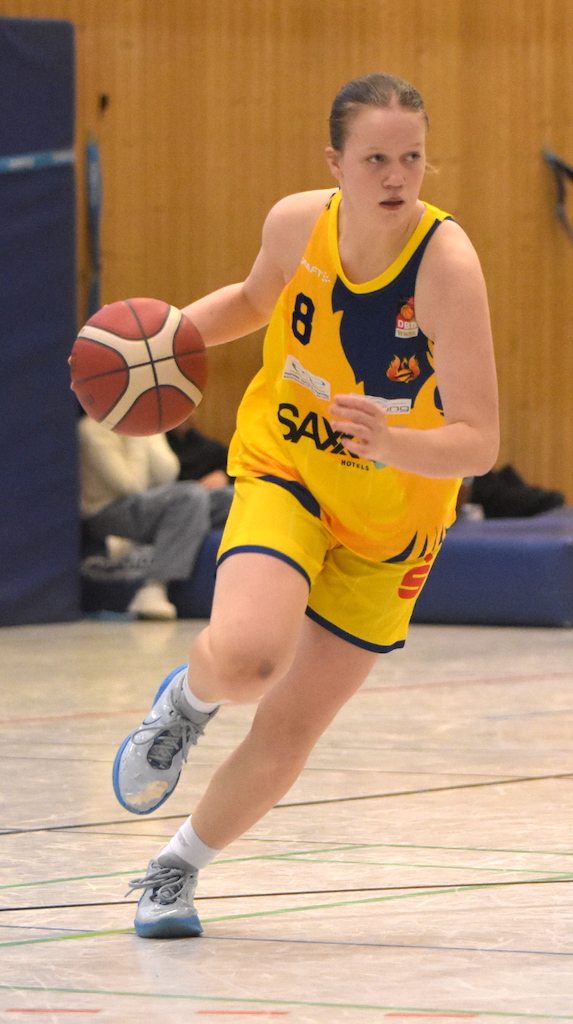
(303,803)
(387,945)
(311,892)
(429,789)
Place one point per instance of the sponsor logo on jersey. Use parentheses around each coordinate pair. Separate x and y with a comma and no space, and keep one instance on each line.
(294,370)
(406,326)
(414,579)
(318,430)
(321,274)
(392,406)
(403,370)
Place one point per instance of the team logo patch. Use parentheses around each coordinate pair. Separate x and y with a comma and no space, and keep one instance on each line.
(403,370)
(406,326)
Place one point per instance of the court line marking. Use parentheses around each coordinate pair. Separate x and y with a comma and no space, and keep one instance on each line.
(81,878)
(389,945)
(429,789)
(428,1011)
(311,858)
(323,846)
(307,857)
(276,911)
(410,889)
(72,715)
(540,677)
(328,942)
(316,803)
(537,678)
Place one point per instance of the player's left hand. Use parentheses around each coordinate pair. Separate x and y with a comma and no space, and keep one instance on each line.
(365,422)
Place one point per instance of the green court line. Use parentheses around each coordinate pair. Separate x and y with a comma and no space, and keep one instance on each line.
(72,878)
(324,848)
(309,859)
(66,938)
(234,1000)
(350,903)
(274,912)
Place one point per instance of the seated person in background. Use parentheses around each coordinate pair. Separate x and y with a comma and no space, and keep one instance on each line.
(129,488)
(201,458)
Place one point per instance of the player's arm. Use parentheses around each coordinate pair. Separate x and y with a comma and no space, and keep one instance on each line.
(238,309)
(452,309)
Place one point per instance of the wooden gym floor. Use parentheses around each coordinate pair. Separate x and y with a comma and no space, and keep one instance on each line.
(420,869)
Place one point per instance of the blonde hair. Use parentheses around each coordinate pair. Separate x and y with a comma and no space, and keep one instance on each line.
(376,90)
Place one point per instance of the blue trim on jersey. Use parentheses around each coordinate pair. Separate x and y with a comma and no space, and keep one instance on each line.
(368,334)
(350,638)
(261,549)
(407,551)
(301,493)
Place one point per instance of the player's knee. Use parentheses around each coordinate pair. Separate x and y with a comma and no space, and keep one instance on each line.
(245,672)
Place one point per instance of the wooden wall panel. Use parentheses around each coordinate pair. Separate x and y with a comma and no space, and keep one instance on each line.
(219,107)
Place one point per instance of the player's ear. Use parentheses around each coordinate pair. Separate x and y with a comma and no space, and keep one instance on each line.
(333,161)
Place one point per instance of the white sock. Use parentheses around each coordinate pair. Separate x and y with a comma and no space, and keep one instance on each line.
(187,846)
(198,705)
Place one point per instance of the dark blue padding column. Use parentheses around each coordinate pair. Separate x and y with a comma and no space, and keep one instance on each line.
(39,532)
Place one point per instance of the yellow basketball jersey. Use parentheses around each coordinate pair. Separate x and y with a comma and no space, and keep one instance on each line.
(328,336)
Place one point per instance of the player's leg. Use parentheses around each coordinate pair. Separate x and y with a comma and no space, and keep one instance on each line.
(259,603)
(258,609)
(290,718)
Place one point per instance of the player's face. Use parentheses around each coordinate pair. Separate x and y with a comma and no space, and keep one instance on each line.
(382,165)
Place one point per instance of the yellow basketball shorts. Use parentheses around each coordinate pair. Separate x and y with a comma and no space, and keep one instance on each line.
(369,604)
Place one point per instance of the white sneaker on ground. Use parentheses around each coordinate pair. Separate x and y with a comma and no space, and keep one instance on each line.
(150,602)
(166,910)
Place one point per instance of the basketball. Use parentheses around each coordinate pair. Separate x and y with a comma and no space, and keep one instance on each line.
(139,367)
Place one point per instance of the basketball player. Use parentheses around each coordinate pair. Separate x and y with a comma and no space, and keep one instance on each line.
(376,397)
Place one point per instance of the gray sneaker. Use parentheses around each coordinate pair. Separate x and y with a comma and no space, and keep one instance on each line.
(148,764)
(166,910)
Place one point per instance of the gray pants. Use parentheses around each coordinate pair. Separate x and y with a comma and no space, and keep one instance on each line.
(174,518)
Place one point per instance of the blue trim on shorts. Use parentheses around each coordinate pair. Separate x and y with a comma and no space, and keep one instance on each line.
(301,493)
(349,637)
(265,551)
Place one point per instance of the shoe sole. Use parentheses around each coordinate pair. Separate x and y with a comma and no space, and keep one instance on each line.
(182,928)
(116,763)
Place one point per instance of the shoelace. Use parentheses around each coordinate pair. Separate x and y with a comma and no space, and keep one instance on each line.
(167,883)
(168,741)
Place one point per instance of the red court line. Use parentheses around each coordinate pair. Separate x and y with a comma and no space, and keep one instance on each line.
(365,690)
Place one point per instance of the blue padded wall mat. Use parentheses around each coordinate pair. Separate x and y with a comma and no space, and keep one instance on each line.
(506,572)
(39,531)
